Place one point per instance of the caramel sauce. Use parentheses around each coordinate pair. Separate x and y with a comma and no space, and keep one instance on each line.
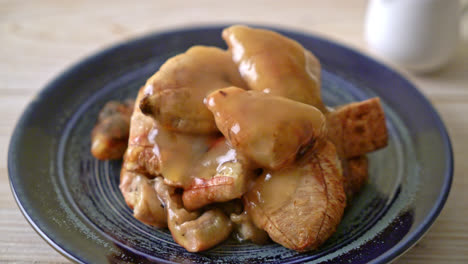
(275,188)
(174,95)
(213,162)
(270,130)
(182,158)
(201,69)
(178,154)
(272,63)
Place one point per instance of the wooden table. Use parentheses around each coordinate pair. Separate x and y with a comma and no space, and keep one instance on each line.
(39,39)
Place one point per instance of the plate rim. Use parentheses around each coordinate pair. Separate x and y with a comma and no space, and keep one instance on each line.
(397,250)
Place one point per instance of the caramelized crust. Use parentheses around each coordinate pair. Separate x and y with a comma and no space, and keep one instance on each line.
(358,128)
(355,175)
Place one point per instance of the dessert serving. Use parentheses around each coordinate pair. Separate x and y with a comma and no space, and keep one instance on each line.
(238,142)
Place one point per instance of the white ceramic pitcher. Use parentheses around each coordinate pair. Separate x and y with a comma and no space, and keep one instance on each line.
(421,35)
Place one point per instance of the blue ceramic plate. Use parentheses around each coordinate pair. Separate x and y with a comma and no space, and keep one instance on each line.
(73,201)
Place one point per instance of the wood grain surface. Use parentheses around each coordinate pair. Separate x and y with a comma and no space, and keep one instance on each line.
(39,39)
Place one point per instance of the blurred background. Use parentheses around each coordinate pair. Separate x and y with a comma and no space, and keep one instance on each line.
(40,39)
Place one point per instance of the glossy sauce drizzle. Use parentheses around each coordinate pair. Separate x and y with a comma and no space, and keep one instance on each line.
(178,154)
(214,160)
(275,188)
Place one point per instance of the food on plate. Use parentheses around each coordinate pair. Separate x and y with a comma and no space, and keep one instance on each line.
(246,230)
(238,143)
(358,128)
(140,195)
(257,125)
(275,64)
(195,231)
(154,150)
(300,206)
(110,135)
(355,174)
(174,95)
(221,175)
